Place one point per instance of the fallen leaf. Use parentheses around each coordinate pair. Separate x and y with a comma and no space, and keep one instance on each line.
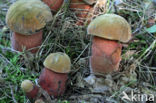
(151,29)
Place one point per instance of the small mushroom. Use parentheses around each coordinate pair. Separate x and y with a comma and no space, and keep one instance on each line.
(29,88)
(54,4)
(55,74)
(26,19)
(109,30)
(81,10)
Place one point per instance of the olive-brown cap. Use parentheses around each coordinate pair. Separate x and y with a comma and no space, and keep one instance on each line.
(28,16)
(58,62)
(110,26)
(27,86)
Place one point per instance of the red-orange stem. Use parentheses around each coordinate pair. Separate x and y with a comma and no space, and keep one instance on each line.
(54,5)
(106,55)
(81,10)
(54,83)
(20,41)
(33,93)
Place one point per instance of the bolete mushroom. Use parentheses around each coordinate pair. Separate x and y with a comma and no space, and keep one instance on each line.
(27,19)
(29,88)
(55,74)
(81,9)
(54,4)
(109,30)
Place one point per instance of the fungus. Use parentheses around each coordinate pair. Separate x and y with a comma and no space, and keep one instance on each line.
(55,74)
(27,19)
(54,4)
(109,30)
(81,9)
(29,88)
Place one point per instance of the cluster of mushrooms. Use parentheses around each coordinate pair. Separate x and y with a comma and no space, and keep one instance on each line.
(27,18)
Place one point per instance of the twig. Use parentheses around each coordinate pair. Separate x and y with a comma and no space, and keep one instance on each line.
(148,49)
(6,60)
(80,54)
(12,93)
(144,54)
(8,49)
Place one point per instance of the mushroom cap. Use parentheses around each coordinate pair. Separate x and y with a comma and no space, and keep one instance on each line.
(27,86)
(58,62)
(110,26)
(28,16)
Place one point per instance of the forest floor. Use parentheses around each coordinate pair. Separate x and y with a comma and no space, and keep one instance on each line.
(137,68)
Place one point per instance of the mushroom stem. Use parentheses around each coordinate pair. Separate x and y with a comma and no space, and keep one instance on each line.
(81,10)
(20,42)
(54,5)
(106,55)
(54,83)
(33,93)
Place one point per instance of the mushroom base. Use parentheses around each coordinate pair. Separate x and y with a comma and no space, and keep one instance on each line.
(33,93)
(106,56)
(20,42)
(54,83)
(54,5)
(81,10)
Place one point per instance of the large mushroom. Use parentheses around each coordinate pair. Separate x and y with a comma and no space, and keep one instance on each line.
(55,74)
(109,30)
(26,19)
(30,89)
(54,4)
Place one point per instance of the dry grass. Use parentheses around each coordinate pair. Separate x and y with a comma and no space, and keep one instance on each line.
(138,68)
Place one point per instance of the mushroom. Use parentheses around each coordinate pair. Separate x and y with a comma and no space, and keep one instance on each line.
(109,30)
(55,74)
(30,89)
(54,4)
(81,9)
(27,19)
